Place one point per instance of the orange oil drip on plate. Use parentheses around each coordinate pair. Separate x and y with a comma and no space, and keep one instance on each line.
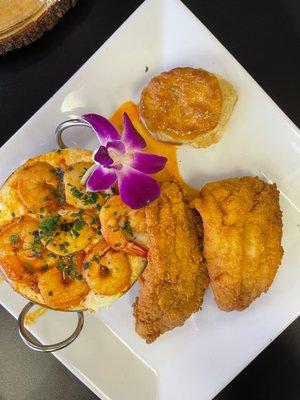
(33,316)
(155,146)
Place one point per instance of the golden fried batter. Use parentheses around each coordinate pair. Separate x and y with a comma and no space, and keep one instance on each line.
(242,238)
(187,105)
(174,282)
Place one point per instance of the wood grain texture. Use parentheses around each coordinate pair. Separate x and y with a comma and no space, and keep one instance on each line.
(36,19)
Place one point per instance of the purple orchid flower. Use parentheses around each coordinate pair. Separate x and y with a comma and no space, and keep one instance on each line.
(120,159)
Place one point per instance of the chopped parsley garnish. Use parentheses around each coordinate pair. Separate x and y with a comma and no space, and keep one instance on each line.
(77,214)
(67,267)
(59,194)
(48,225)
(127,229)
(59,173)
(95,221)
(50,293)
(96,258)
(78,225)
(76,192)
(52,255)
(13,214)
(74,233)
(98,207)
(63,246)
(86,198)
(48,241)
(27,266)
(86,265)
(90,198)
(58,151)
(14,239)
(65,227)
(37,245)
(79,277)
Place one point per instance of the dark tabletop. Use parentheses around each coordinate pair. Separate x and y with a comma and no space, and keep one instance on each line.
(263,35)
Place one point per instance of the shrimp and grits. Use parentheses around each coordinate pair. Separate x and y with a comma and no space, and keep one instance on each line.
(53,248)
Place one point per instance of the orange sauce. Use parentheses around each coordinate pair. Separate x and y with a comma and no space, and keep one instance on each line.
(32,317)
(153,146)
(168,150)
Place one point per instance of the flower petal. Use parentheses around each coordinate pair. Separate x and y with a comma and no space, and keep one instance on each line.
(130,137)
(148,163)
(102,157)
(100,179)
(103,128)
(137,189)
(117,146)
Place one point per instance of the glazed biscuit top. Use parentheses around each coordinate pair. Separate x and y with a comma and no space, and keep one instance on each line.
(182,103)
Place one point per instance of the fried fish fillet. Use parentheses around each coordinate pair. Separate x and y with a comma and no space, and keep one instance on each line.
(174,282)
(242,238)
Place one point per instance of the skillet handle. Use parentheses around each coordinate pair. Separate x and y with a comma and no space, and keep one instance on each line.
(66,125)
(34,344)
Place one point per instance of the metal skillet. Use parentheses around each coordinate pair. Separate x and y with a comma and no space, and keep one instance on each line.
(27,338)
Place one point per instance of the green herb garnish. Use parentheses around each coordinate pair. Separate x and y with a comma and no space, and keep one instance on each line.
(78,214)
(68,268)
(59,173)
(127,229)
(48,225)
(65,227)
(51,255)
(90,198)
(86,265)
(58,193)
(27,266)
(79,224)
(76,192)
(37,245)
(14,239)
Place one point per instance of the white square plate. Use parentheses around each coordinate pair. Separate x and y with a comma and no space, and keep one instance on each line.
(197,360)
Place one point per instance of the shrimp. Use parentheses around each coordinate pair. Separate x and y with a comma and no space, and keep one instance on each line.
(124,229)
(63,286)
(38,185)
(21,255)
(68,231)
(75,191)
(106,271)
